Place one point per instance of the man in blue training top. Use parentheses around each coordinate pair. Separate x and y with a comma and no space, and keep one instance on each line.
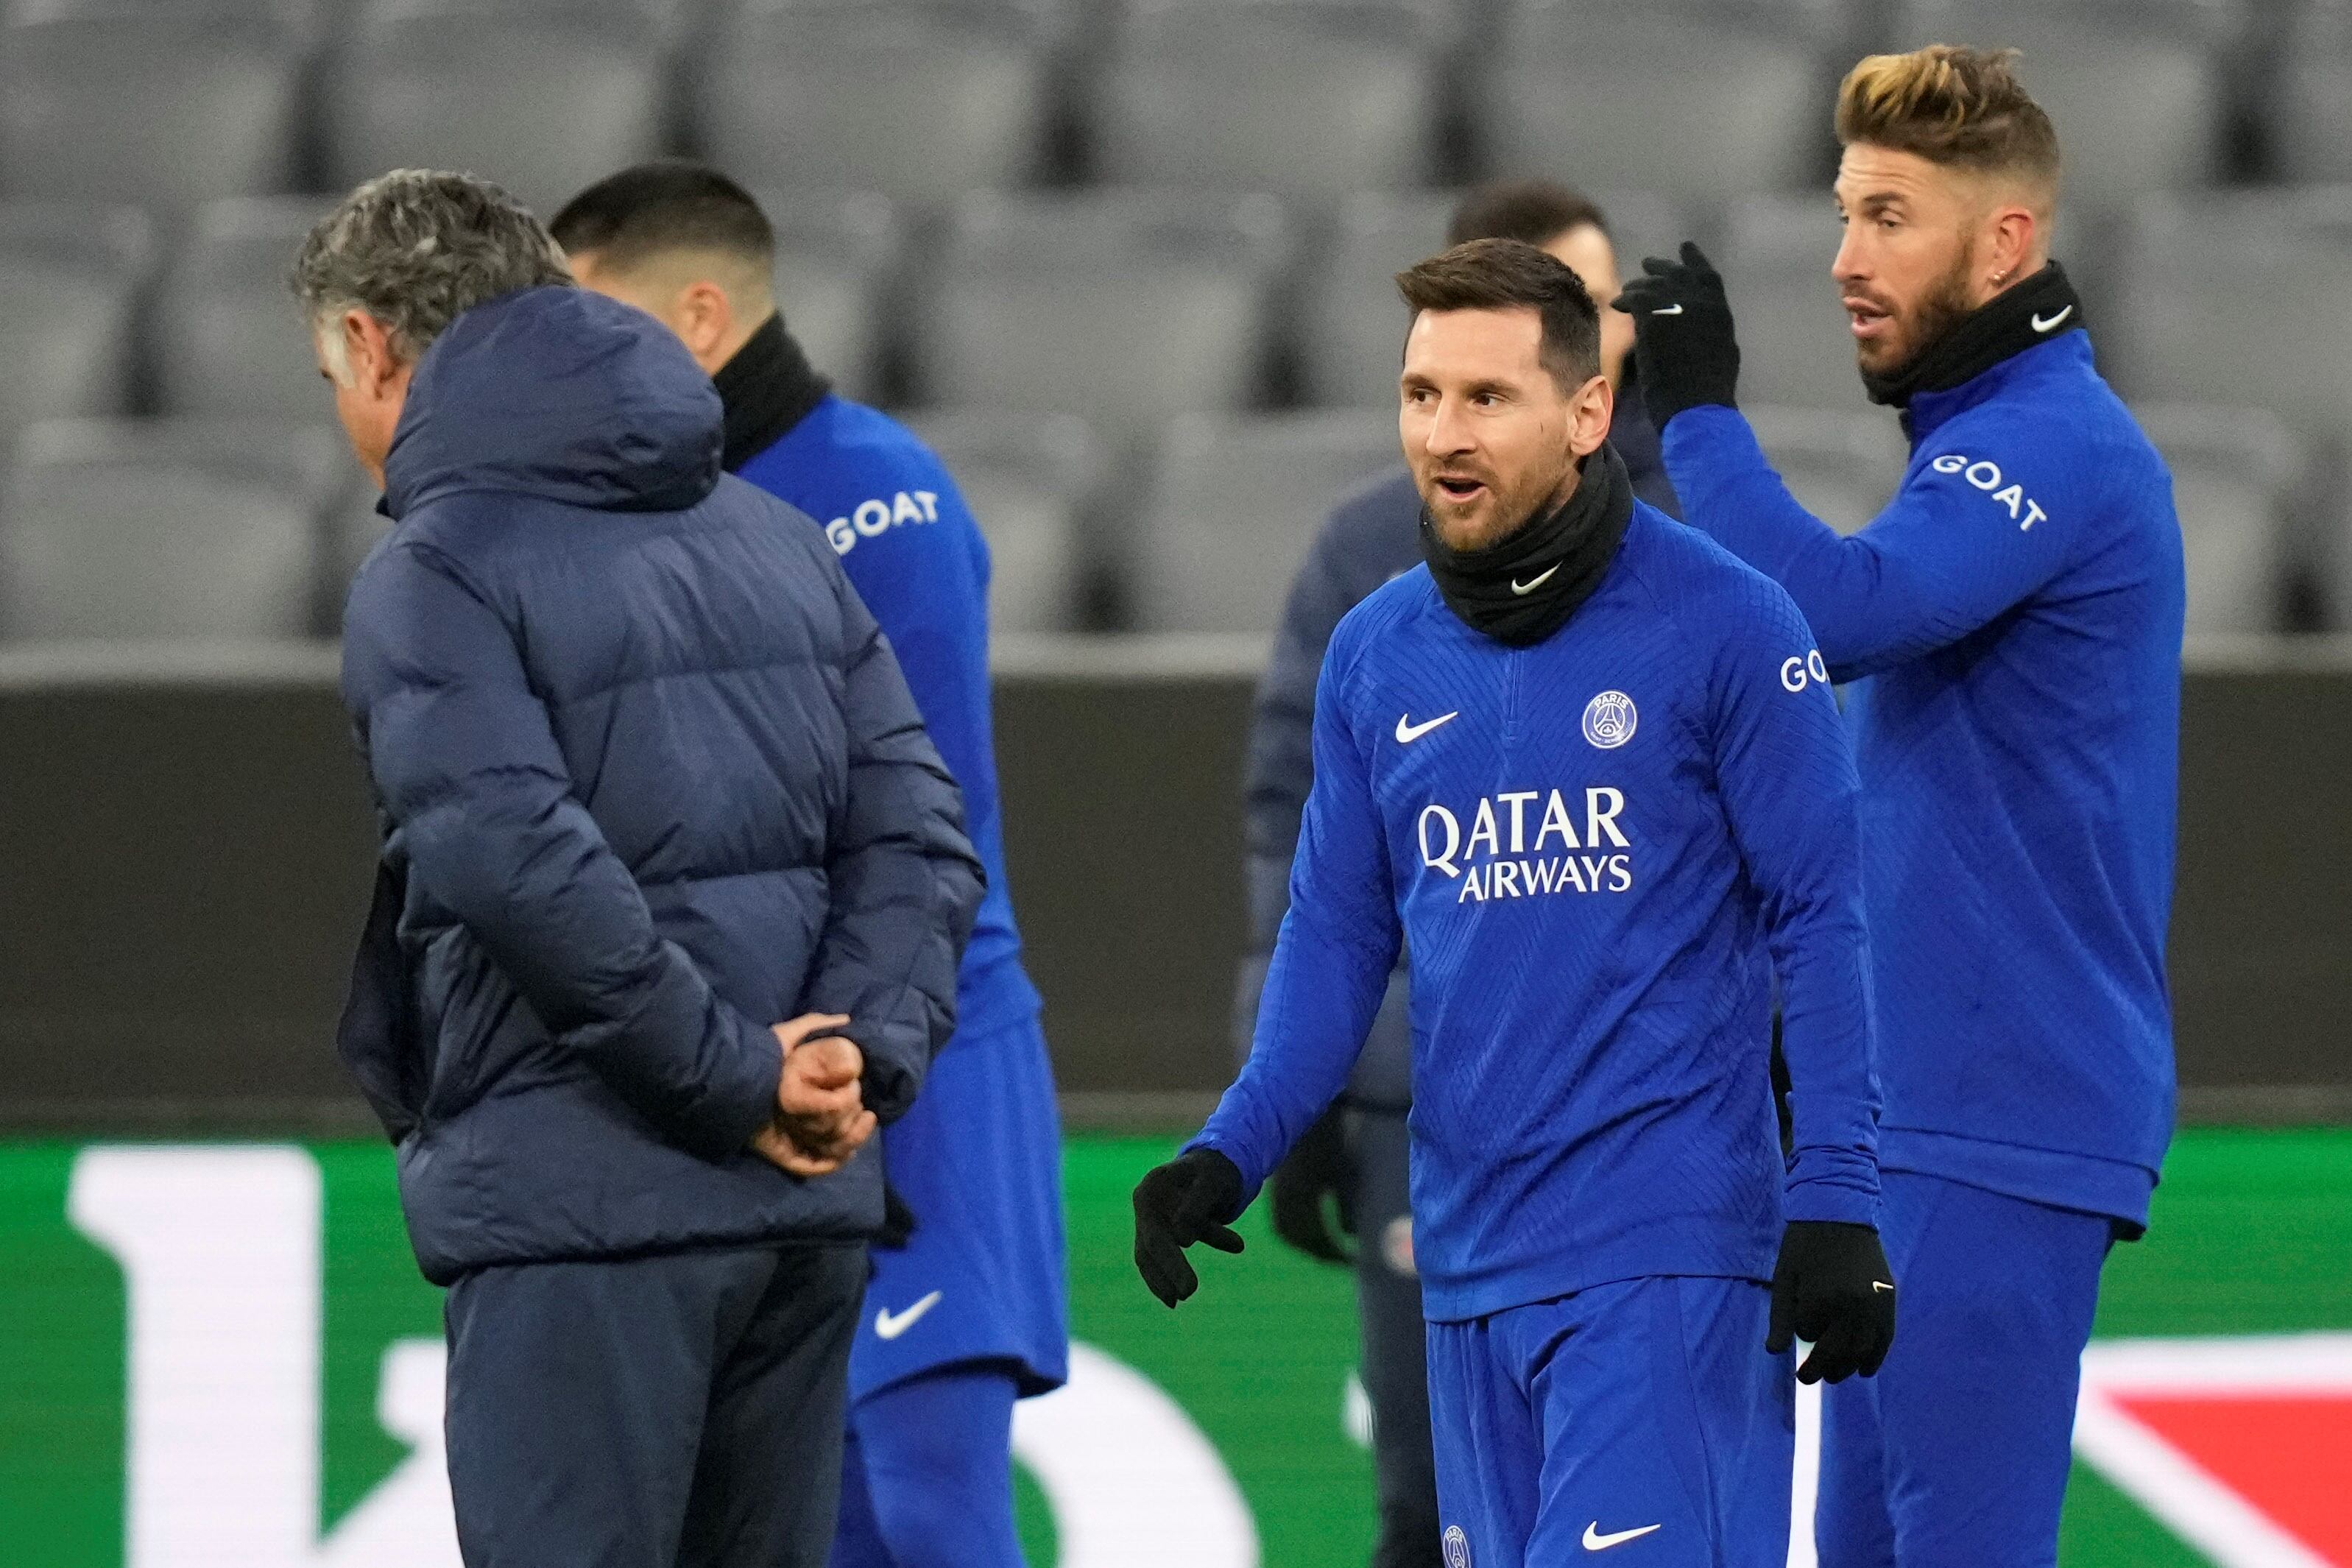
(1357,1153)
(2012,624)
(971,1313)
(1565,766)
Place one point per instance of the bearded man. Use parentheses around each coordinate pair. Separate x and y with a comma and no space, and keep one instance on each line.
(2011,627)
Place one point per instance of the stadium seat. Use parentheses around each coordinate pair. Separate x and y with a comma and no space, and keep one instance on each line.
(2310,104)
(307,17)
(672,17)
(1841,467)
(1694,98)
(1351,321)
(161,108)
(70,278)
(543,106)
(164,529)
(2237,476)
(2138,90)
(1305,99)
(1235,504)
(920,100)
(1123,307)
(2239,298)
(836,252)
(1795,344)
(1029,482)
(228,339)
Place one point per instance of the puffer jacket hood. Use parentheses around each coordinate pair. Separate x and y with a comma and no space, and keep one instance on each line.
(562,394)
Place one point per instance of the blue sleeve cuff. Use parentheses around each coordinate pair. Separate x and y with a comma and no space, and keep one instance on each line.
(1836,1198)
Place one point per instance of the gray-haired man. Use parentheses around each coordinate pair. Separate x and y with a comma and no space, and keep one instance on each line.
(650,782)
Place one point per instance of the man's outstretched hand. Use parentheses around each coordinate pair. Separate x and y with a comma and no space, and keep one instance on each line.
(1832,1288)
(821,1117)
(1684,350)
(1193,1197)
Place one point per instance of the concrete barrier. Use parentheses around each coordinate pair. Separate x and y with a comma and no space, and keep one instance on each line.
(186,838)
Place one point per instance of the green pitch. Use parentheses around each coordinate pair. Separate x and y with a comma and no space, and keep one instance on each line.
(2251,1235)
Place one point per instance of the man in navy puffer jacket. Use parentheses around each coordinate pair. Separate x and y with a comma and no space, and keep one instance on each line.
(651,782)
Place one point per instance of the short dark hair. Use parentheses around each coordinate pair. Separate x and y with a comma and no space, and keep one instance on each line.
(1536,211)
(670,204)
(1503,274)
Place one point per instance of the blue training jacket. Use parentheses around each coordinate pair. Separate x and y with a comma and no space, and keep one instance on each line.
(1373,534)
(1587,847)
(917,558)
(2012,622)
(651,782)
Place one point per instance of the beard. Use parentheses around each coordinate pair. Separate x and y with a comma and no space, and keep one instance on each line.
(1500,512)
(1925,324)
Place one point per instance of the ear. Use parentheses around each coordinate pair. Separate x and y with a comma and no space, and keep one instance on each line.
(1590,411)
(2013,238)
(368,350)
(706,318)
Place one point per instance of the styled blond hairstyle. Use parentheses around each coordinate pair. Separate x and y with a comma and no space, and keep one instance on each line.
(1958,107)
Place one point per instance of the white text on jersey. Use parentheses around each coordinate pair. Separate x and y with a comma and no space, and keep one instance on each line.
(1986,477)
(1486,863)
(872,518)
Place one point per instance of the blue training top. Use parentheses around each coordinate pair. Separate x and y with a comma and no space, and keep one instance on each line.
(917,558)
(1585,846)
(2012,621)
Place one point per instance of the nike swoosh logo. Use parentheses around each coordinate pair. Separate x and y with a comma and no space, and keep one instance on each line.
(2042,326)
(1523,589)
(1596,1541)
(1880,1285)
(1668,311)
(1407,733)
(890,1327)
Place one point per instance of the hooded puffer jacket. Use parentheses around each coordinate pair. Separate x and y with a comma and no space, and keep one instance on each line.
(650,780)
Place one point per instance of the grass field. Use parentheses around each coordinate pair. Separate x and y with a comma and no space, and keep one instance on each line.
(2252,1235)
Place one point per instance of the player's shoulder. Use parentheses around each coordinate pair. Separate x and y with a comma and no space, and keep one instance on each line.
(2055,427)
(1707,592)
(864,476)
(864,447)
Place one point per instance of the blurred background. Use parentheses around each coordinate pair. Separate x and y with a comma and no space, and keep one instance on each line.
(1126,264)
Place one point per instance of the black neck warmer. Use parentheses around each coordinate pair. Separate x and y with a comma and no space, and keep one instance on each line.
(766,388)
(1524,588)
(2008,323)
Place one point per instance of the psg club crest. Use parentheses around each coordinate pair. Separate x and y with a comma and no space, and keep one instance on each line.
(1608,719)
(1457,1547)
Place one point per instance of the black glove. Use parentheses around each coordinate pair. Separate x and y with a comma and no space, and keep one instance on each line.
(1318,1165)
(1833,1286)
(1682,348)
(1193,1197)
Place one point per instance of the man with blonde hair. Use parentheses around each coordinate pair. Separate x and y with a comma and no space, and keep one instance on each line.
(2012,625)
